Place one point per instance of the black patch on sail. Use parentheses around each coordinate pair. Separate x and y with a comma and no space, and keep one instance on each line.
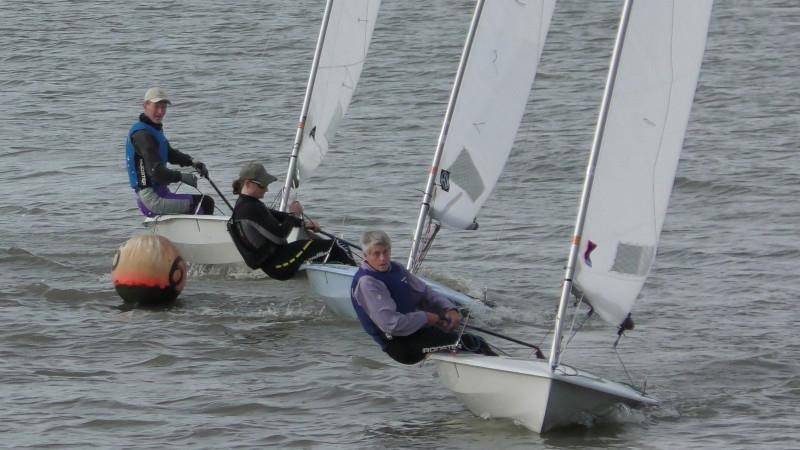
(444,180)
(313,133)
(467,175)
(633,259)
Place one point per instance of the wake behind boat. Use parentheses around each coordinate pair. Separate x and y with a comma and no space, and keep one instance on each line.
(648,96)
(339,56)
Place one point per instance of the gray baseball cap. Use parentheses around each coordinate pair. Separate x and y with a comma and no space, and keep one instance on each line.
(256,172)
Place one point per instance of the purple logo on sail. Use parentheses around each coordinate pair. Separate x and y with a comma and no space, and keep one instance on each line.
(587,255)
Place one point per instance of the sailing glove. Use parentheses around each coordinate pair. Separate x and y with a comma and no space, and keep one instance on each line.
(189,178)
(200,167)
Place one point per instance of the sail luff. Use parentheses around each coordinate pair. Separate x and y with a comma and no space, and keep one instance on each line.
(566,287)
(339,57)
(347,40)
(495,89)
(493,84)
(437,156)
(291,173)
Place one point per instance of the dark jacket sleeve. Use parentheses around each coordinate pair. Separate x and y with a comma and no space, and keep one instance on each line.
(177,157)
(276,222)
(147,147)
(281,223)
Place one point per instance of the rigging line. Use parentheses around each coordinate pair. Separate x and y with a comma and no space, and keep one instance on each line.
(427,240)
(574,319)
(537,350)
(219,209)
(572,330)
(199,204)
(591,347)
(625,369)
(335,238)
(426,245)
(505,353)
(544,338)
(421,252)
(276,198)
(464,324)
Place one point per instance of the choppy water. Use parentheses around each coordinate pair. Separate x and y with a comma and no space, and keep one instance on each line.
(244,362)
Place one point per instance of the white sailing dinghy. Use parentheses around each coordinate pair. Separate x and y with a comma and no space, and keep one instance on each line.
(487,101)
(638,139)
(341,49)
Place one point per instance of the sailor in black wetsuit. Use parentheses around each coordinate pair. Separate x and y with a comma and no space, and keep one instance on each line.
(147,152)
(260,233)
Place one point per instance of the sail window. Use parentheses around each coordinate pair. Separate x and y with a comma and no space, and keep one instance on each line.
(633,259)
(465,174)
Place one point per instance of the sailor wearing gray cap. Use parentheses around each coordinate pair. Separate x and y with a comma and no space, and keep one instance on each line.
(256,172)
(261,233)
(147,153)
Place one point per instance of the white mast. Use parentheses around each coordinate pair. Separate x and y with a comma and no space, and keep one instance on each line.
(428,195)
(291,174)
(566,287)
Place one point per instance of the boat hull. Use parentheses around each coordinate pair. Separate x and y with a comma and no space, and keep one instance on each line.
(527,392)
(204,239)
(331,283)
(201,239)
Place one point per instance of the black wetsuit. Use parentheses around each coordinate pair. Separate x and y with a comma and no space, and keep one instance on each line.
(264,245)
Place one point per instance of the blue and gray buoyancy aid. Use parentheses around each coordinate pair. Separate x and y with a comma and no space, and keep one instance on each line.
(406,298)
(137,176)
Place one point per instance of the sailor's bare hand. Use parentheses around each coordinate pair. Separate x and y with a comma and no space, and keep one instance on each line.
(433,319)
(452,318)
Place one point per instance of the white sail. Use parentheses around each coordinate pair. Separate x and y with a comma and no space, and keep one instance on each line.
(641,145)
(349,32)
(496,82)
(642,121)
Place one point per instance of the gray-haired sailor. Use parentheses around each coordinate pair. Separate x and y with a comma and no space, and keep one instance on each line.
(402,314)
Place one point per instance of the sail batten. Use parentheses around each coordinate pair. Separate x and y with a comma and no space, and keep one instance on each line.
(638,158)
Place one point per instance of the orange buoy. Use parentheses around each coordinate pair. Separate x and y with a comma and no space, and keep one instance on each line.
(148,269)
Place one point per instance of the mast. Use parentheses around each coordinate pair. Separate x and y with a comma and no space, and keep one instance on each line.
(448,115)
(291,174)
(566,286)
